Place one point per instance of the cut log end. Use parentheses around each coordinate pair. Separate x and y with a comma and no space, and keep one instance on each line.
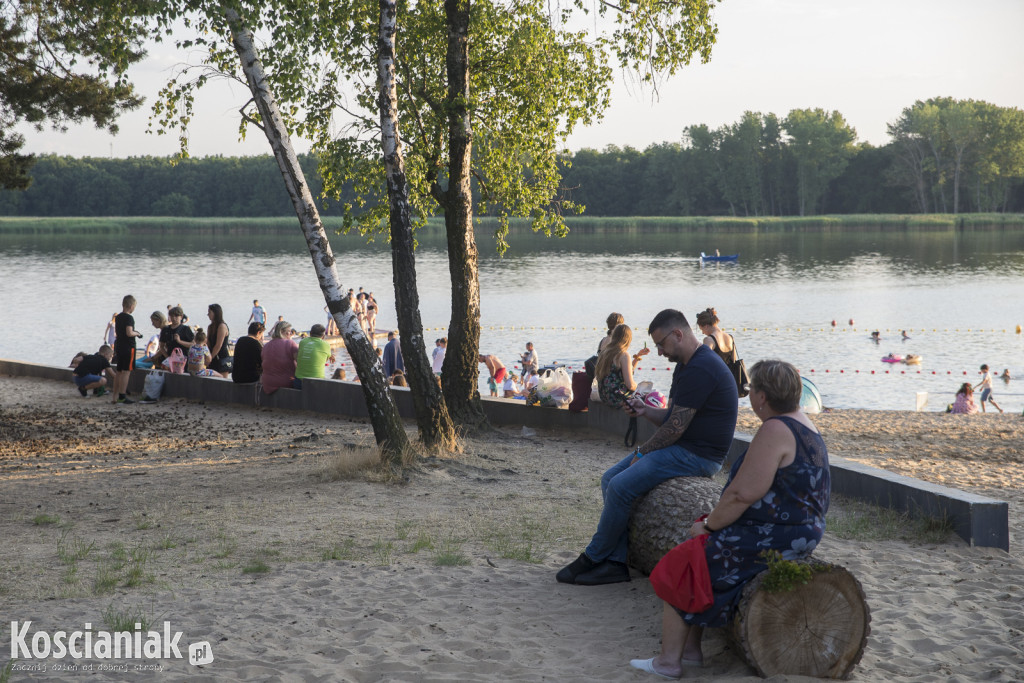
(818,629)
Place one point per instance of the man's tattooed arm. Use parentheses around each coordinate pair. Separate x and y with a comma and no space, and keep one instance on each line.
(670,431)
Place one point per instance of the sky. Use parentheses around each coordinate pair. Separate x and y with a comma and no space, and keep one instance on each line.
(867,59)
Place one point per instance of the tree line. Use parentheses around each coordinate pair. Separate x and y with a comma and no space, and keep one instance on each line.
(243,187)
(945,156)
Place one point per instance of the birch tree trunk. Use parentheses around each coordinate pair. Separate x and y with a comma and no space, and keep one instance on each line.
(387,425)
(435,424)
(461,370)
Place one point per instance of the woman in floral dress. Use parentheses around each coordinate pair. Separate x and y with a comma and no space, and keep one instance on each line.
(614,371)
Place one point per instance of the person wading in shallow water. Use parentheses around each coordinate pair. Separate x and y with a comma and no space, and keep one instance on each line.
(694,435)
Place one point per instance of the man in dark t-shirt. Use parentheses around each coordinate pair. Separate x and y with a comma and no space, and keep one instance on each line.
(694,433)
(88,374)
(248,362)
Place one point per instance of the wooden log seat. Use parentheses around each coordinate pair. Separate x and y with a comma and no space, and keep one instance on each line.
(815,629)
(662,516)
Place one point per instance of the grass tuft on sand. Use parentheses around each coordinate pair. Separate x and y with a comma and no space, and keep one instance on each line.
(126,619)
(855,520)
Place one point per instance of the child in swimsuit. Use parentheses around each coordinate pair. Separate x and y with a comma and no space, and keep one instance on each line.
(199,357)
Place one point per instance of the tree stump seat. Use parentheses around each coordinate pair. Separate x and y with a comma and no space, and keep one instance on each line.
(815,629)
(662,516)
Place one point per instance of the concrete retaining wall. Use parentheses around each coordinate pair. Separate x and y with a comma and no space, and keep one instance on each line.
(978,520)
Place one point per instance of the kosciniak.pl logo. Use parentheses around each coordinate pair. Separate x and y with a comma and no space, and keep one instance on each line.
(90,644)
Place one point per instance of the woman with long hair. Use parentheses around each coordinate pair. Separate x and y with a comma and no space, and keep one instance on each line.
(217,337)
(614,371)
(964,403)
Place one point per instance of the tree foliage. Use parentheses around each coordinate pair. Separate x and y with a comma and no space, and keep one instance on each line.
(808,163)
(238,187)
(821,144)
(61,62)
(952,150)
(530,84)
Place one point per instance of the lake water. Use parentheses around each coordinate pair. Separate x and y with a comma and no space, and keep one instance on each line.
(959,296)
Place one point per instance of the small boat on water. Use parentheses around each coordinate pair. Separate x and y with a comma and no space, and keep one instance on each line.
(717,257)
(892,358)
(912,359)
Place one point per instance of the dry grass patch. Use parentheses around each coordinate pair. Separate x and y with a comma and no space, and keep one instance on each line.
(349,462)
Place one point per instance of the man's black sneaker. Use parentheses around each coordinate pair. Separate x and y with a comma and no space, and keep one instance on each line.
(606,572)
(125,400)
(84,392)
(578,566)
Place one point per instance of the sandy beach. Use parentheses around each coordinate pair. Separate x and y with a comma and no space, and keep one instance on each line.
(255,531)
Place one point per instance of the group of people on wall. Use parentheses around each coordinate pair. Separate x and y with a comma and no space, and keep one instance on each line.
(284,360)
(204,353)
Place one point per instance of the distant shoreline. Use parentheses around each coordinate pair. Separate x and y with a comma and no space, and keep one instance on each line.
(151,225)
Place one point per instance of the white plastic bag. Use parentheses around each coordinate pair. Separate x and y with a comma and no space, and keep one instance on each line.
(153,385)
(555,388)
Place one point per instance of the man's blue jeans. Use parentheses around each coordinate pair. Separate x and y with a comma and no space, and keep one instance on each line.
(623,483)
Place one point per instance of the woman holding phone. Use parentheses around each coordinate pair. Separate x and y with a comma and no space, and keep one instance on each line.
(614,372)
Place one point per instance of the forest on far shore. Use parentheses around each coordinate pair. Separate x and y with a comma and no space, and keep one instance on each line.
(945,156)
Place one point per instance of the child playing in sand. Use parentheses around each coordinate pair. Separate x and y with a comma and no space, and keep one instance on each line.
(964,403)
(89,371)
(986,389)
(199,357)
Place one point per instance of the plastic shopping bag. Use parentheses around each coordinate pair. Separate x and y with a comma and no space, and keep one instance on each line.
(153,385)
(177,361)
(555,388)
